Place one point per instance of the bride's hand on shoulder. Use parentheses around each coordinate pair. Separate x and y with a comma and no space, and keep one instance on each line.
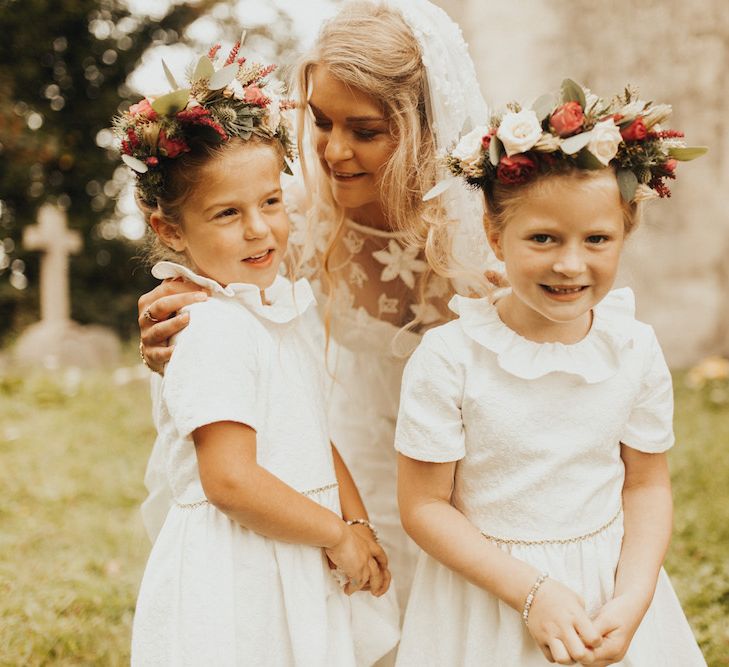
(159,318)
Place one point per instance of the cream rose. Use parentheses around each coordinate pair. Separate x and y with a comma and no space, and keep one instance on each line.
(519,131)
(604,141)
(469,147)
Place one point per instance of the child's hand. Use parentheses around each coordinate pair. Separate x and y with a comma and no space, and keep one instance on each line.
(617,622)
(351,555)
(379,573)
(561,627)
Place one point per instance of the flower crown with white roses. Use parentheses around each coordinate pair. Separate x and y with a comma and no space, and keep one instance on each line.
(219,104)
(576,130)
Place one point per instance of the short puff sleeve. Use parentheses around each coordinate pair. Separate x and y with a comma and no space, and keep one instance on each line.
(649,428)
(429,424)
(214,373)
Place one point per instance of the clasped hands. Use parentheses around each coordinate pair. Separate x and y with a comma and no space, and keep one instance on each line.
(565,633)
(361,559)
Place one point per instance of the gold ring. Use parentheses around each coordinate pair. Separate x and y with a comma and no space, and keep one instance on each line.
(148,316)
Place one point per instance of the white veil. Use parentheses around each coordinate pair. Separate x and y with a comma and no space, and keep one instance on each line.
(454,105)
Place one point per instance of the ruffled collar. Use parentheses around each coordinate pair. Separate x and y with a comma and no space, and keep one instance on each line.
(595,358)
(285,301)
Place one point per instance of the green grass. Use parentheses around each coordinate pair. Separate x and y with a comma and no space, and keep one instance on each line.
(72,546)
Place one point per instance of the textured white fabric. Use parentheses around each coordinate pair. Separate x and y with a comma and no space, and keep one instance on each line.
(538,453)
(213,592)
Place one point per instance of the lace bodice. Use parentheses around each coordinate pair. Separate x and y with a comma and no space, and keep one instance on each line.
(375,273)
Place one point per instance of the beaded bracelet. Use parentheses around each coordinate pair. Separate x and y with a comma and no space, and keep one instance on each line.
(364,522)
(530,598)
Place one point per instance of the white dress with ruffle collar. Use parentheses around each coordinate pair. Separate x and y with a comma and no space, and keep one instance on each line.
(214,592)
(536,431)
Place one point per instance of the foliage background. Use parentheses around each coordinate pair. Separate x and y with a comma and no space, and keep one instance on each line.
(64,68)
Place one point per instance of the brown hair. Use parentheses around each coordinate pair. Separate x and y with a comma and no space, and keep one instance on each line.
(502,201)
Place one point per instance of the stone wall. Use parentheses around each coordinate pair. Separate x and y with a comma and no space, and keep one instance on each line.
(674,51)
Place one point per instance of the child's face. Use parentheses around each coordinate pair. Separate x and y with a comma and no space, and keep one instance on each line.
(353,141)
(561,248)
(235,228)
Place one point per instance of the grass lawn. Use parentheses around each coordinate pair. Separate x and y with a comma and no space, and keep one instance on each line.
(72,547)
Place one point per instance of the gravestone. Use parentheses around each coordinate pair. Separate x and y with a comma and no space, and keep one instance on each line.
(56,340)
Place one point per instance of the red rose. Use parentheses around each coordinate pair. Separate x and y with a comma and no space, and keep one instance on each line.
(516,169)
(171,147)
(636,131)
(486,139)
(670,165)
(254,95)
(152,161)
(143,108)
(567,119)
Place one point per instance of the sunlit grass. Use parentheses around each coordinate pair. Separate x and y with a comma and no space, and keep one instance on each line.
(72,547)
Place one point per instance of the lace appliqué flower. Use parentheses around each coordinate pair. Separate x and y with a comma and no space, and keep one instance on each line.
(400,262)
(387,305)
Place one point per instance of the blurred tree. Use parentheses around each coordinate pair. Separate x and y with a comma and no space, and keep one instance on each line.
(63,74)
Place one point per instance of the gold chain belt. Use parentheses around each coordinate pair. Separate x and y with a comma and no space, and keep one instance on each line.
(310,492)
(566,540)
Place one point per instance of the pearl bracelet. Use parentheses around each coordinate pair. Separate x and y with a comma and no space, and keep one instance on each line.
(530,598)
(364,522)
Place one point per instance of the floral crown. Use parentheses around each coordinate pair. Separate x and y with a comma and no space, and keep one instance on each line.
(219,104)
(578,129)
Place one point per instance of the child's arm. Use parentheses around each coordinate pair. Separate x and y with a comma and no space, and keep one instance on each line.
(253,497)
(557,619)
(648,510)
(353,508)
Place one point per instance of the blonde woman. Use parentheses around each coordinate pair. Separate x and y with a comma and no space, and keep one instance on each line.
(386,88)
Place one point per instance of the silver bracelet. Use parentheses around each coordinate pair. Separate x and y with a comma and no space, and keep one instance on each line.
(530,598)
(364,522)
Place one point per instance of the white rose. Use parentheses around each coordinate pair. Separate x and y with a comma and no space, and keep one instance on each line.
(469,147)
(519,131)
(604,141)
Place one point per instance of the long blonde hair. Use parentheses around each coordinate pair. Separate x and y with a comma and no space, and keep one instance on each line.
(370,47)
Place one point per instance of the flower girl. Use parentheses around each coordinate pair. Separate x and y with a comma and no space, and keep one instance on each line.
(532,429)
(240,572)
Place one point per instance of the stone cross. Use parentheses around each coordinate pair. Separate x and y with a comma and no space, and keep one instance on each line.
(56,242)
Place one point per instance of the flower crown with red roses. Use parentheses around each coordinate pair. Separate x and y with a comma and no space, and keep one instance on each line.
(576,130)
(219,104)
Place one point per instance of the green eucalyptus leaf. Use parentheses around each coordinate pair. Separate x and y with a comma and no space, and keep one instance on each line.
(686,153)
(172,102)
(572,92)
(543,106)
(223,77)
(170,77)
(576,143)
(496,150)
(586,160)
(628,183)
(204,69)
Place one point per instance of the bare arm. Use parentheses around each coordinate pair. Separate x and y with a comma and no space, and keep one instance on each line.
(256,499)
(354,508)
(648,510)
(557,621)
(162,304)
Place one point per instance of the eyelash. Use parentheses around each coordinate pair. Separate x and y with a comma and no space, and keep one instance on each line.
(364,135)
(594,239)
